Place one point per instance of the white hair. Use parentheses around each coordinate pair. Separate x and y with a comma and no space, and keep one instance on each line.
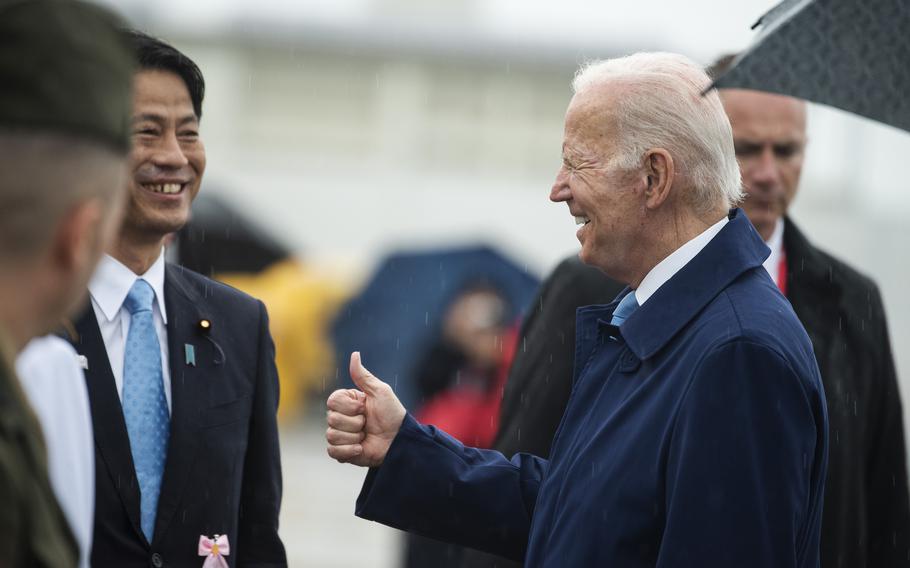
(662,105)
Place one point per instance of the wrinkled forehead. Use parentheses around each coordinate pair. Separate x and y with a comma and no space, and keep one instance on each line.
(591,119)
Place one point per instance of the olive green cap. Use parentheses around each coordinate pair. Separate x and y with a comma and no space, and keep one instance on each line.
(65,66)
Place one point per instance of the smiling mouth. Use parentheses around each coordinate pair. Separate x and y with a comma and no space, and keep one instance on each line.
(166,188)
(582,220)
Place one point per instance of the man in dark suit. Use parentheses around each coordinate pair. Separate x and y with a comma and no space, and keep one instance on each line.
(181,372)
(867,510)
(696,430)
(65,74)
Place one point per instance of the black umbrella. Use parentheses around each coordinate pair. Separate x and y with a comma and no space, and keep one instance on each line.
(851,54)
(221,238)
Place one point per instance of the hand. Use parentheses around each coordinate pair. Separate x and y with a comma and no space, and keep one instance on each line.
(362,423)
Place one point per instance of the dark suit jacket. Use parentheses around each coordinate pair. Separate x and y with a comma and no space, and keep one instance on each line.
(695,435)
(867,511)
(223,472)
(866,522)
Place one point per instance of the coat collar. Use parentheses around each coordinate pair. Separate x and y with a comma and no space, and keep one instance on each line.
(736,249)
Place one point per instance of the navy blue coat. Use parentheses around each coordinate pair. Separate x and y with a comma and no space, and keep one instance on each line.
(695,435)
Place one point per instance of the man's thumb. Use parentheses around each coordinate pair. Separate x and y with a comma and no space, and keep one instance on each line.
(363,379)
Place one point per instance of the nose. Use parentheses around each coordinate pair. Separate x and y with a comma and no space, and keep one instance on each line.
(560,190)
(169,153)
(763,171)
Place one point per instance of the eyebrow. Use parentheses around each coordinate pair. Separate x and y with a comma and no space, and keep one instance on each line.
(759,142)
(151,117)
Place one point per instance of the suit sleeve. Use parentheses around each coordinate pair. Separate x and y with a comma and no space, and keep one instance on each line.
(260,499)
(746,464)
(888,509)
(430,484)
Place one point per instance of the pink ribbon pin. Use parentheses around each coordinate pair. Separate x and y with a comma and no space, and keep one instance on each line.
(215,551)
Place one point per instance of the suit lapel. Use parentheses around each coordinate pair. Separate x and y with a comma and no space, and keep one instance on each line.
(188,393)
(111,438)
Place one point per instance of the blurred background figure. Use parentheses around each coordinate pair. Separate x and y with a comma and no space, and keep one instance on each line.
(427,315)
(461,377)
(460,380)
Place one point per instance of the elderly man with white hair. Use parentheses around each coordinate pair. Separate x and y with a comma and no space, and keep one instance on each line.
(696,432)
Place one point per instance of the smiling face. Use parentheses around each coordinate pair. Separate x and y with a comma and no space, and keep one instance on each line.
(167,160)
(769,134)
(603,199)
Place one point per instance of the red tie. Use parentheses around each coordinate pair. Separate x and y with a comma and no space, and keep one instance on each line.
(782,273)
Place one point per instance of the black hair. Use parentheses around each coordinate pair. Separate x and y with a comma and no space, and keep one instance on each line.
(153,53)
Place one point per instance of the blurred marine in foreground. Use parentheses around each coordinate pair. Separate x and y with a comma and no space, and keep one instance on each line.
(696,432)
(65,71)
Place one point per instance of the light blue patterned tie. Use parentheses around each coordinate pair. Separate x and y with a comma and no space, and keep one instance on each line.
(625,308)
(144,404)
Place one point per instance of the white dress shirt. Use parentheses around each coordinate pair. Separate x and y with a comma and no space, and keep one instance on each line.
(776,244)
(108,288)
(55,387)
(669,266)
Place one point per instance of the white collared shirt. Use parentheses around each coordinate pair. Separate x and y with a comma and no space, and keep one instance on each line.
(55,386)
(776,244)
(669,266)
(108,288)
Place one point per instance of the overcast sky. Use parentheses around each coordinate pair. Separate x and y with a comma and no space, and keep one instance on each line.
(698,28)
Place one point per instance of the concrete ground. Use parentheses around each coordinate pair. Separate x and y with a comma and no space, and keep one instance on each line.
(318,525)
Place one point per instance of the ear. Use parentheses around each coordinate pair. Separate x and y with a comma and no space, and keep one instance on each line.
(660,172)
(77,238)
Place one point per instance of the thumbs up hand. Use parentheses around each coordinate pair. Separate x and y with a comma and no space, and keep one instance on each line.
(362,422)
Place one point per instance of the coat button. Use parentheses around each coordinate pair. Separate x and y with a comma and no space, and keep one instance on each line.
(157,561)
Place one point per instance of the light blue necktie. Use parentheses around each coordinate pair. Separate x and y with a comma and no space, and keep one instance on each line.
(144,404)
(625,308)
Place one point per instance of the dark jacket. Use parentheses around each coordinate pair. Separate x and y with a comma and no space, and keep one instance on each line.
(33,530)
(866,520)
(695,435)
(223,471)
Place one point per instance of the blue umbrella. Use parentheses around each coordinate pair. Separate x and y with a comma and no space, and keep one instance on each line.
(398,315)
